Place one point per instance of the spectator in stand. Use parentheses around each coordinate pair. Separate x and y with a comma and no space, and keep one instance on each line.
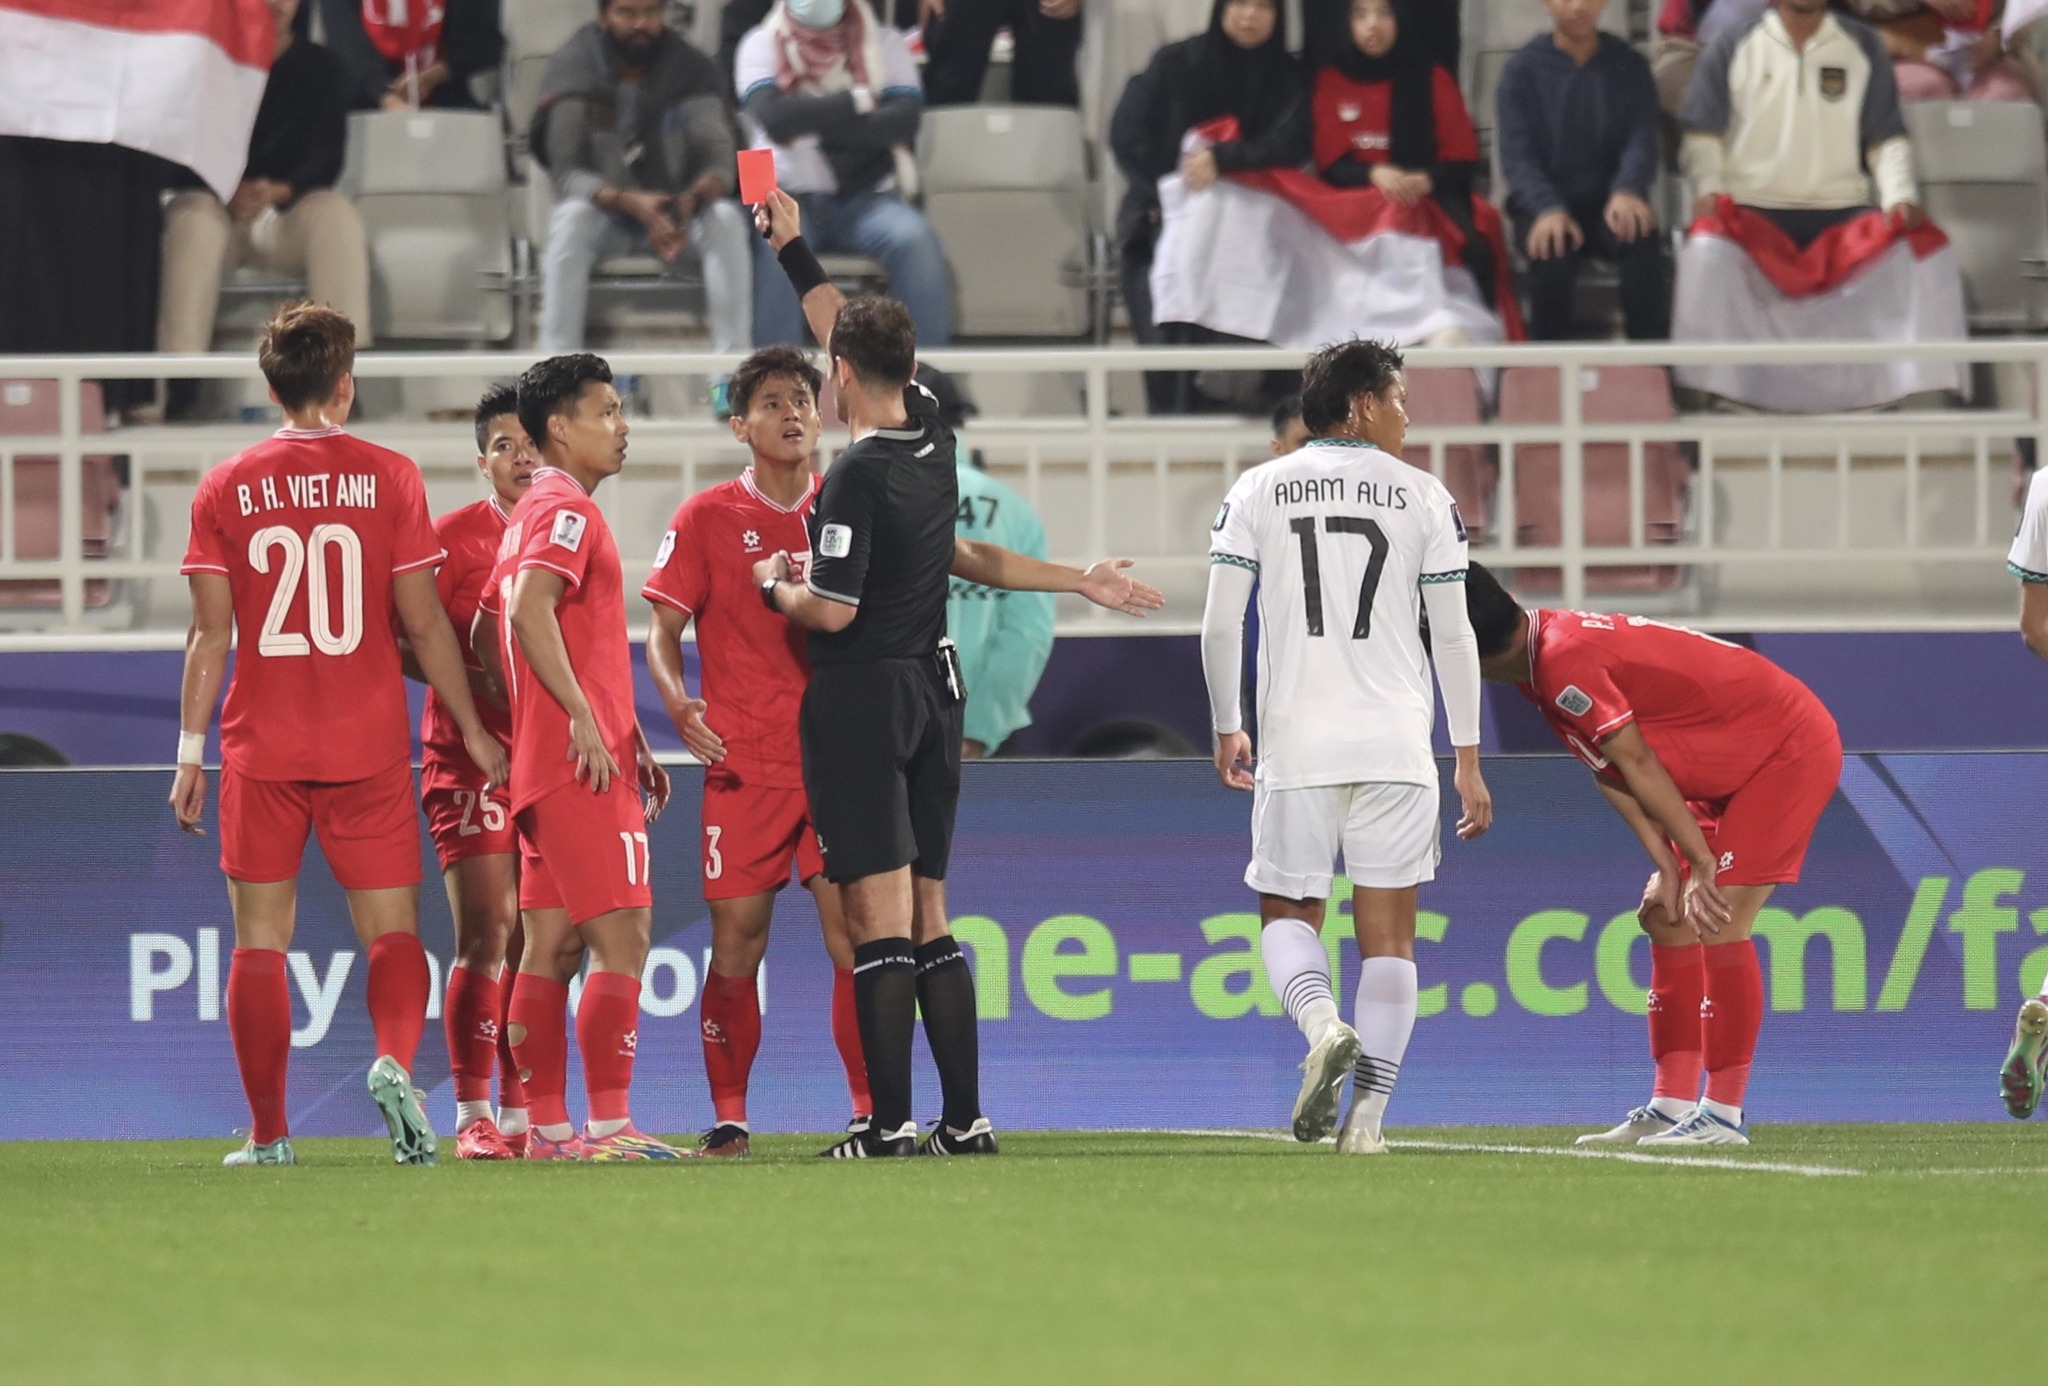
(1790,120)
(632,125)
(1579,147)
(836,96)
(1683,28)
(1388,115)
(957,35)
(1948,50)
(405,54)
(285,215)
(1239,69)
(1328,22)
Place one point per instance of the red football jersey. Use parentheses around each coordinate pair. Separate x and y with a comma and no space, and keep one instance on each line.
(557,526)
(310,528)
(1357,118)
(753,659)
(471,537)
(1713,712)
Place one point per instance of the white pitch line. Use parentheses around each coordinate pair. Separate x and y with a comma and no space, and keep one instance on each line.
(1630,1157)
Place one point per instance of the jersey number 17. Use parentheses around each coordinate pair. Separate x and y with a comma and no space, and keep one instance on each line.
(1312,568)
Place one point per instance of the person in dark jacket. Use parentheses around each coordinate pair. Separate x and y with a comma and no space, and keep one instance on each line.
(1578,149)
(397,65)
(1239,68)
(285,215)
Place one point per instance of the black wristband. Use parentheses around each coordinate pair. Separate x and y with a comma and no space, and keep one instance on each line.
(802,267)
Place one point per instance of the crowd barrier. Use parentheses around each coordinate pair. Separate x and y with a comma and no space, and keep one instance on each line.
(1116,960)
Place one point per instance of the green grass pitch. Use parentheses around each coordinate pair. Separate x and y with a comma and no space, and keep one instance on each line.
(1853,1254)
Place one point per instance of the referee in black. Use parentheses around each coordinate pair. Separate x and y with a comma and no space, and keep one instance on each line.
(881,719)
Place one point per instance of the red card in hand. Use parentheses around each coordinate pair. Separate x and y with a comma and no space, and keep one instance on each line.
(757,175)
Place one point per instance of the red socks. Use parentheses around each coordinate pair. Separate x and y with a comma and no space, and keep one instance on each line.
(260,1023)
(541,1055)
(1733,1015)
(846,1034)
(511,1092)
(470,1010)
(732,1036)
(398,995)
(607,1030)
(1678,986)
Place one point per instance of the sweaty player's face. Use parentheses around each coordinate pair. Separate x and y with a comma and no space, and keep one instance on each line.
(1372,27)
(595,430)
(508,459)
(781,424)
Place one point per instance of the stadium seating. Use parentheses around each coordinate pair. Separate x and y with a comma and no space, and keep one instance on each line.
(1983,166)
(533,29)
(1444,398)
(1610,395)
(32,408)
(1005,188)
(430,186)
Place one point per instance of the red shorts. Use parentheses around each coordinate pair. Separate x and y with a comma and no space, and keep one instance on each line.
(1761,835)
(463,818)
(585,853)
(368,828)
(753,835)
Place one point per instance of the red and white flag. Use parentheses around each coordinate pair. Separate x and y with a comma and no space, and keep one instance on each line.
(1741,279)
(1281,256)
(177,78)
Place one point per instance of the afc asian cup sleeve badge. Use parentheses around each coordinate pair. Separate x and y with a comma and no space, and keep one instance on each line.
(1574,701)
(1222,518)
(568,531)
(1458,524)
(667,549)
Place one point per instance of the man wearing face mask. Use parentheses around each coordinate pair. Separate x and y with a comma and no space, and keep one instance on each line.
(836,95)
(632,124)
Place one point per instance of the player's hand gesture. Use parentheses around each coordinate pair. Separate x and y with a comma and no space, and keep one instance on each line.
(1234,759)
(1663,892)
(1107,584)
(776,567)
(1474,798)
(587,749)
(654,783)
(698,738)
(1706,908)
(188,798)
(489,756)
(779,219)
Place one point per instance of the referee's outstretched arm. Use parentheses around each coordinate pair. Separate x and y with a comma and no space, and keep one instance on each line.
(1104,583)
(781,220)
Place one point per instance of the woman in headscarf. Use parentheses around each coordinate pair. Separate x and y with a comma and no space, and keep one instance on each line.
(1239,70)
(1388,116)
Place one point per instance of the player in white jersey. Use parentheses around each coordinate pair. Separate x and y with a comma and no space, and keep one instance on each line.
(2020,1080)
(1350,547)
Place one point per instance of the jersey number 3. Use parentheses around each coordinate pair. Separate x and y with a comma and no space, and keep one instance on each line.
(1312,568)
(336,626)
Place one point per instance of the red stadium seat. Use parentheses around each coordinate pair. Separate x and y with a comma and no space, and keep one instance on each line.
(1612,394)
(1445,397)
(31,408)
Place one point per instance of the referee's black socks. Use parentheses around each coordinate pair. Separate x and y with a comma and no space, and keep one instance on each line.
(945,993)
(885,989)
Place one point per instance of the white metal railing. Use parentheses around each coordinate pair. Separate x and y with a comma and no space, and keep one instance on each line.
(1142,485)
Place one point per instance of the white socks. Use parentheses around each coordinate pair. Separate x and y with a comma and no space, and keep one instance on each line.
(1299,970)
(1385,1018)
(466,1112)
(512,1121)
(1676,1108)
(598,1130)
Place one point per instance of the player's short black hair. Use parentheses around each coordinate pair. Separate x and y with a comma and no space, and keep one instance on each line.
(1339,374)
(876,337)
(1285,413)
(1495,614)
(550,387)
(497,402)
(770,363)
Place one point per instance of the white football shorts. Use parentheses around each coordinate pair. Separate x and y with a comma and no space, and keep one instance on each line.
(1389,834)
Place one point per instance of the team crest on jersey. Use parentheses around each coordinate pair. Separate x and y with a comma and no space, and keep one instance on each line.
(668,548)
(835,541)
(1574,701)
(1834,82)
(751,540)
(568,531)
(1222,517)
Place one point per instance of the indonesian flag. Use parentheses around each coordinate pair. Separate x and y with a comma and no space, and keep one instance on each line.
(1741,279)
(1281,256)
(177,78)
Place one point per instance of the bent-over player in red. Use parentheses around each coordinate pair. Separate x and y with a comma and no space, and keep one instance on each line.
(316,547)
(757,820)
(469,820)
(1721,763)
(557,603)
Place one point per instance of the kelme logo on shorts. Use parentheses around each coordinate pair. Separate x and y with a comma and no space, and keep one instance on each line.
(835,541)
(568,531)
(1574,701)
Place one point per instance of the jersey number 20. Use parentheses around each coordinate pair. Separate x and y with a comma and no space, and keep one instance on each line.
(1312,568)
(333,631)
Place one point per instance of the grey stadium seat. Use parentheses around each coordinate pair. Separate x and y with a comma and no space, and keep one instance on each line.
(534,29)
(430,186)
(1006,188)
(1983,169)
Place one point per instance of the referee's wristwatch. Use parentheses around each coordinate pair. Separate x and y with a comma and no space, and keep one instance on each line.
(768,595)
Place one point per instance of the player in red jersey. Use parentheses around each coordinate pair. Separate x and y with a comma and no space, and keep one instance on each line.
(1721,763)
(584,858)
(470,822)
(316,546)
(756,818)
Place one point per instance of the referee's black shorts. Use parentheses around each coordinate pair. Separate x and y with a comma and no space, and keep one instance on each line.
(881,744)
